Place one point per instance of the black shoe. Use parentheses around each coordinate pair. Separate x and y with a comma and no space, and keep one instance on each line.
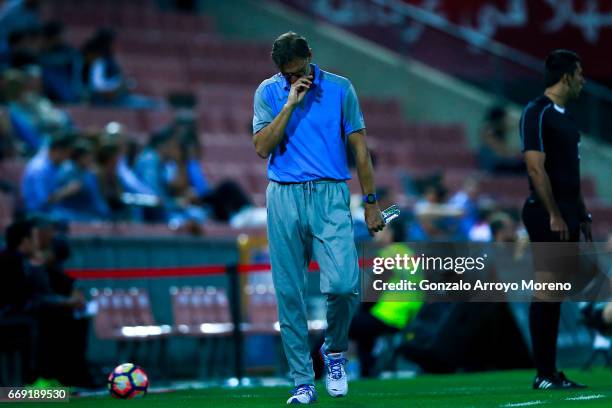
(557,381)
(567,383)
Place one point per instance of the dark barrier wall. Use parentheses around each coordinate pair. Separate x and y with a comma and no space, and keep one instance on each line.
(150,252)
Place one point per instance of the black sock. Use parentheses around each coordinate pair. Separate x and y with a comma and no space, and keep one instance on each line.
(544,327)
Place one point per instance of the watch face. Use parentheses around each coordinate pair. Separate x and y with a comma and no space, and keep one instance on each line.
(371,199)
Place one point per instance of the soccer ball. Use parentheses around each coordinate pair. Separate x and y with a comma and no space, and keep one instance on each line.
(127,381)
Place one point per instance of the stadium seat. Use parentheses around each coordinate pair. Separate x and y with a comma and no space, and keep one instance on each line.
(85,117)
(261,309)
(203,313)
(263,312)
(125,315)
(200,312)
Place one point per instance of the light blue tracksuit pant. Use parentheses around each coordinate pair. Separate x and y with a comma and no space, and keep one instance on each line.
(307,220)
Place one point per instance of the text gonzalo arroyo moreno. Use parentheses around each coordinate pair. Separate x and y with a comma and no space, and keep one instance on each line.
(459,265)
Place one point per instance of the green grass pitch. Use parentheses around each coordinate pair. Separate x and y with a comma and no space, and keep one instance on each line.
(495,389)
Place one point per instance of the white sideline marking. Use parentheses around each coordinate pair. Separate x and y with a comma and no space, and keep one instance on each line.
(585,397)
(523,404)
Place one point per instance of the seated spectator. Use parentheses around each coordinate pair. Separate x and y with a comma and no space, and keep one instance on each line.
(186,130)
(50,117)
(103,77)
(61,64)
(101,73)
(466,200)
(33,117)
(39,183)
(108,157)
(151,167)
(86,202)
(495,155)
(435,218)
(114,134)
(22,122)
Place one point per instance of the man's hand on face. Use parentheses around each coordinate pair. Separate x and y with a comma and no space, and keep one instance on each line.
(298,90)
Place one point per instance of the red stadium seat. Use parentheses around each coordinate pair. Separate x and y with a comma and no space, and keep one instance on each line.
(86,117)
(200,312)
(125,315)
(262,310)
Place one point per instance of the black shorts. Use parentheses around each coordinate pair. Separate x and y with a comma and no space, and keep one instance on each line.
(537,221)
(561,259)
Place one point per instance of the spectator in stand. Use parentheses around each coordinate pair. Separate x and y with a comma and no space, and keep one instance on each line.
(86,202)
(152,167)
(17,15)
(185,179)
(39,183)
(481,229)
(115,134)
(108,157)
(101,72)
(495,156)
(21,121)
(466,200)
(33,117)
(436,220)
(103,77)
(61,64)
(50,117)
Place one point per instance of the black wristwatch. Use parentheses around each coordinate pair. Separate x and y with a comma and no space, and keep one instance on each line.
(587,218)
(370,198)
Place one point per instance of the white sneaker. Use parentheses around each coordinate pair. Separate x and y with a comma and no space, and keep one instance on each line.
(303,394)
(336,380)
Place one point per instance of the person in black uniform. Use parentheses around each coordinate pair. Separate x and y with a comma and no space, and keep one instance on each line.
(555,210)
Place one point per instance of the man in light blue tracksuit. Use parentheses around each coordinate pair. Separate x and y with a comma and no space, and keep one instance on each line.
(304,118)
